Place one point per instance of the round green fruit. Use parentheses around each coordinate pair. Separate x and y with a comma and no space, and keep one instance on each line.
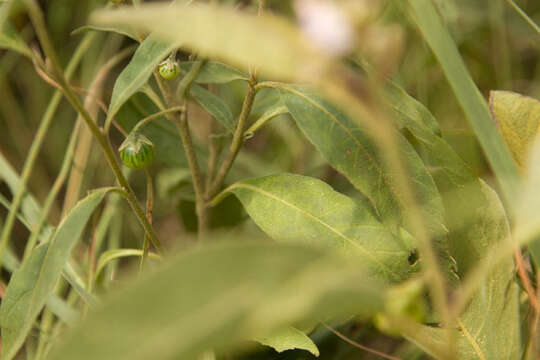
(169,69)
(137,152)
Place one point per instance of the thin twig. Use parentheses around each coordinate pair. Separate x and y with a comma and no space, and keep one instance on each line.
(238,140)
(149,209)
(360,346)
(525,279)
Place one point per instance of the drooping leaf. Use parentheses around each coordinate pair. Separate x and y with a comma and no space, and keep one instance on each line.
(11,40)
(145,60)
(271,44)
(349,149)
(289,338)
(32,284)
(122,30)
(518,121)
(215,296)
(214,72)
(214,105)
(490,326)
(468,95)
(297,208)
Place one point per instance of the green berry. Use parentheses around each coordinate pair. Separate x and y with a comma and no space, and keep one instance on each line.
(137,152)
(169,69)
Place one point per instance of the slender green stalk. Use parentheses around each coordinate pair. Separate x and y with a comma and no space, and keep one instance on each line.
(524,15)
(36,17)
(37,144)
(149,208)
(238,140)
(157,115)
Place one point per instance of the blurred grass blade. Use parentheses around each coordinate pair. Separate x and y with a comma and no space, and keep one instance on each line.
(10,39)
(214,106)
(32,284)
(518,120)
(351,151)
(289,338)
(297,208)
(145,60)
(214,72)
(490,326)
(524,15)
(271,44)
(468,95)
(216,296)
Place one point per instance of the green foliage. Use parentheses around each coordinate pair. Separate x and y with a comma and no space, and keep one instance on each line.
(310,168)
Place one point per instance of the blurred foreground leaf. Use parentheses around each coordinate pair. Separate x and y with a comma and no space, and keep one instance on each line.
(267,42)
(215,296)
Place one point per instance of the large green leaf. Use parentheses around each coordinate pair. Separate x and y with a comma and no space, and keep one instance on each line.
(297,208)
(145,60)
(214,72)
(490,326)
(518,121)
(122,30)
(351,151)
(215,106)
(457,184)
(289,338)
(216,296)
(32,284)
(468,95)
(270,43)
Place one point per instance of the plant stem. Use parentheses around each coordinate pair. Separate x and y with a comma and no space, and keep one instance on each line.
(152,117)
(36,17)
(37,143)
(238,140)
(198,184)
(149,208)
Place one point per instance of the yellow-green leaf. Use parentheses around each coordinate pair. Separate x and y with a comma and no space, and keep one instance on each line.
(518,121)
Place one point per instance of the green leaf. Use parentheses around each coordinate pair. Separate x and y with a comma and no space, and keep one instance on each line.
(214,72)
(468,95)
(457,184)
(216,296)
(145,60)
(32,284)
(271,44)
(119,29)
(10,39)
(348,148)
(289,338)
(297,208)
(518,121)
(215,106)
(490,326)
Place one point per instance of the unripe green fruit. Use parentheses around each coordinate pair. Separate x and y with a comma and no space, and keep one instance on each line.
(169,69)
(137,152)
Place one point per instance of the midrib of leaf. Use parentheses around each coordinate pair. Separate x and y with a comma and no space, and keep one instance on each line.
(310,215)
(471,340)
(355,140)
